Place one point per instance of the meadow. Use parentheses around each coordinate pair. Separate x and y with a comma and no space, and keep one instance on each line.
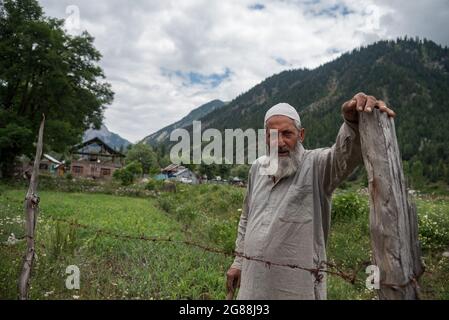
(94,227)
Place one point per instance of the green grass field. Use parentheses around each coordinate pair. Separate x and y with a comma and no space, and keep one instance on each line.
(116,268)
(110,268)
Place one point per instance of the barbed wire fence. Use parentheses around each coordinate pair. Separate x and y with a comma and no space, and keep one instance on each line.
(349,275)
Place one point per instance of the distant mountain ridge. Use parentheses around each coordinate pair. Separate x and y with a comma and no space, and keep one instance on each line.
(195,114)
(112,139)
(411,75)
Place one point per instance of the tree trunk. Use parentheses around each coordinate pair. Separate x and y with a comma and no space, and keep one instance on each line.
(31,212)
(393,216)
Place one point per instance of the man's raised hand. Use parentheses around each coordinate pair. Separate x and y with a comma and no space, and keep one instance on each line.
(363,103)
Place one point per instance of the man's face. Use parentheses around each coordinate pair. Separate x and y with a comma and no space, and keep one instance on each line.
(288,134)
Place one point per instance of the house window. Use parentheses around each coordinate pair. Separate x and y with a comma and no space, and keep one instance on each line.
(105,172)
(77,170)
(43,166)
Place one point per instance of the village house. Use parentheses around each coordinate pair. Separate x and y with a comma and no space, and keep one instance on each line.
(95,159)
(178,173)
(50,165)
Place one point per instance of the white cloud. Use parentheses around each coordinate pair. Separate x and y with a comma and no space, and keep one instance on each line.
(155,52)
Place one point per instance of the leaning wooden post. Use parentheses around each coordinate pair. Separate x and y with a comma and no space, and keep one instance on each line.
(31,212)
(393,216)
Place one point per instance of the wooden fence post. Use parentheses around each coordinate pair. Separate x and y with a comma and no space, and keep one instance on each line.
(31,212)
(393,217)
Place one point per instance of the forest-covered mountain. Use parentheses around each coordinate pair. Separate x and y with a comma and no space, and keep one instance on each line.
(164,134)
(411,75)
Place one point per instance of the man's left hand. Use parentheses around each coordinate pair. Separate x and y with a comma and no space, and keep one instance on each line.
(363,103)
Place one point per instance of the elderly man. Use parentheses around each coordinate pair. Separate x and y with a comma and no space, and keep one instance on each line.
(286,216)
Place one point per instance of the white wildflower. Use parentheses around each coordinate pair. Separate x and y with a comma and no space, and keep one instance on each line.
(12,240)
(46,294)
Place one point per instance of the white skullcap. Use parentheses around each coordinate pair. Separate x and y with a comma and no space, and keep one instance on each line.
(282,109)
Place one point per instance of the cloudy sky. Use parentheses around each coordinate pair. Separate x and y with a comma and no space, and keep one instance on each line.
(164,58)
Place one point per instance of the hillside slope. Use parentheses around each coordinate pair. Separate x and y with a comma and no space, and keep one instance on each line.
(164,134)
(412,76)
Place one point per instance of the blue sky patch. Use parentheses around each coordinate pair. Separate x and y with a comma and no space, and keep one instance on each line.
(333,11)
(195,78)
(256,6)
(281,61)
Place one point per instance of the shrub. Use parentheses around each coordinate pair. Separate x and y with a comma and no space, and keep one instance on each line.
(186,214)
(348,206)
(223,234)
(127,174)
(165,203)
(154,185)
(125,177)
(433,223)
(135,168)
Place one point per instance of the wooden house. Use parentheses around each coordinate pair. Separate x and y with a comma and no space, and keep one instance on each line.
(95,159)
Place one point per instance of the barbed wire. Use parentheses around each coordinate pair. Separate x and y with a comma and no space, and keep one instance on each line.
(324,267)
(318,272)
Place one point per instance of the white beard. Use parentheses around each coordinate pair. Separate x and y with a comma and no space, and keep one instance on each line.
(288,166)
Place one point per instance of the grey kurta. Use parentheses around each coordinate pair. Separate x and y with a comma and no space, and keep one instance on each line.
(288,222)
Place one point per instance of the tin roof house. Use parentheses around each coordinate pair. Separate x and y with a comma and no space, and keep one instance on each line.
(178,173)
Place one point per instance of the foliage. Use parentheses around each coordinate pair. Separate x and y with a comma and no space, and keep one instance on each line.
(417,174)
(215,205)
(63,240)
(163,158)
(434,224)
(128,173)
(143,154)
(124,176)
(43,69)
(240,171)
(347,206)
(154,185)
(213,170)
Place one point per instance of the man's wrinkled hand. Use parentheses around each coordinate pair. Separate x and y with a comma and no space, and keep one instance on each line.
(232,281)
(363,103)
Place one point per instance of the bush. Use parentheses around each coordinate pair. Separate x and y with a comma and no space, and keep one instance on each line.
(186,214)
(165,203)
(223,234)
(135,168)
(154,185)
(433,226)
(348,206)
(127,174)
(125,177)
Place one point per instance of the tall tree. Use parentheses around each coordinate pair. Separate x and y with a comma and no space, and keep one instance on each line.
(143,154)
(43,69)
